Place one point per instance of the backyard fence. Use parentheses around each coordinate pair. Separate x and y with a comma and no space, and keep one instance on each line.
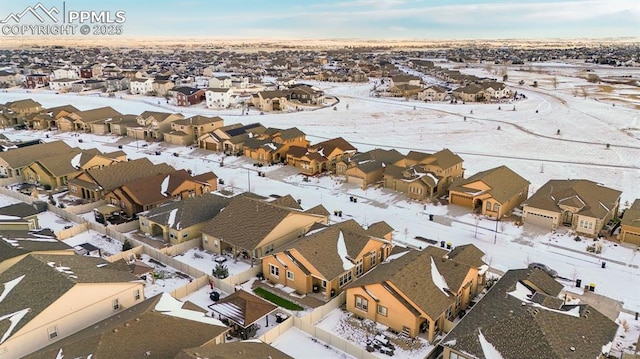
(17,195)
(190,287)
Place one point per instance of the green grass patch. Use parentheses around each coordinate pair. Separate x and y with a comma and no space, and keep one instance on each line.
(279,301)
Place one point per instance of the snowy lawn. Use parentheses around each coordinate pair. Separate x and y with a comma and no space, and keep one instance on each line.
(165,278)
(627,335)
(6,200)
(53,221)
(206,261)
(298,344)
(347,326)
(108,246)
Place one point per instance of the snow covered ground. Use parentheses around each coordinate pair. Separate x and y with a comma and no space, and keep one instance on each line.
(205,262)
(527,142)
(166,279)
(296,343)
(108,246)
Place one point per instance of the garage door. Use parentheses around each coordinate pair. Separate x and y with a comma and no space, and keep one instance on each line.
(631,237)
(538,219)
(210,146)
(355,180)
(460,200)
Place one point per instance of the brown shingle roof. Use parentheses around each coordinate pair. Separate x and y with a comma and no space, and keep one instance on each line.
(503,183)
(233,350)
(593,199)
(136,332)
(243,307)
(117,174)
(21,157)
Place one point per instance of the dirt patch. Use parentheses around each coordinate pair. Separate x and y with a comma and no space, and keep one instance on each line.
(605,88)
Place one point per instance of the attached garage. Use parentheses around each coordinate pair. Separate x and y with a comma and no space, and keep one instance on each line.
(537,219)
(460,200)
(355,180)
(630,237)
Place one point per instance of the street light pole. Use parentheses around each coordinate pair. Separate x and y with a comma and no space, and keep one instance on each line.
(248,180)
(495,238)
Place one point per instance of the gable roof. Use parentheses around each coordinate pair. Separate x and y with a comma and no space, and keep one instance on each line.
(17,243)
(156,189)
(234,350)
(119,173)
(138,332)
(467,254)
(243,307)
(21,157)
(198,120)
(41,279)
(443,158)
(98,114)
(592,199)
(503,183)
(518,327)
(412,273)
(632,215)
(329,146)
(190,211)
(321,249)
(158,116)
(245,222)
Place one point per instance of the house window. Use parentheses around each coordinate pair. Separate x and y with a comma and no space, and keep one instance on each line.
(590,225)
(274,270)
(496,207)
(362,304)
(488,207)
(382,310)
(345,278)
(52,332)
(373,258)
(290,275)
(73,189)
(185,234)
(215,242)
(324,284)
(116,304)
(359,267)
(136,294)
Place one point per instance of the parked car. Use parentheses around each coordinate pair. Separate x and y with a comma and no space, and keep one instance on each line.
(545,268)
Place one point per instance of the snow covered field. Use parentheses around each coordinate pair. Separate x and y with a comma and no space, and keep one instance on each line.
(527,142)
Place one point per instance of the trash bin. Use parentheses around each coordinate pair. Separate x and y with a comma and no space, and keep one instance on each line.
(442,244)
(449,245)
(578,283)
(604,264)
(431,217)
(592,287)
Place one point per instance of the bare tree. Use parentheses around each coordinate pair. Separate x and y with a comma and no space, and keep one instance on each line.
(583,92)
(554,82)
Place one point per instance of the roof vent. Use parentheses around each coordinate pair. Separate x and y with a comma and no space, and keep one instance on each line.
(573,349)
(126,324)
(115,330)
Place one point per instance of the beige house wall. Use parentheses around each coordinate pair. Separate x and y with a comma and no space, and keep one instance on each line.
(83,305)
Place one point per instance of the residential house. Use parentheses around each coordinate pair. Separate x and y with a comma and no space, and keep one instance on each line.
(65,73)
(87,85)
(82,120)
(242,349)
(186,96)
(34,81)
(399,80)
(62,84)
(13,162)
(52,296)
(470,93)
(92,184)
(327,155)
(17,112)
(230,139)
(118,125)
(307,95)
(272,145)
(630,224)
(16,244)
(367,168)
(494,192)
(584,206)
(139,331)
(422,175)
(9,79)
(19,217)
(414,292)
(220,97)
(91,71)
(39,121)
(153,125)
(146,193)
(179,221)
(140,86)
(55,113)
(162,87)
(254,228)
(496,90)
(186,131)
(53,172)
(515,318)
(433,93)
(220,82)
(273,100)
(114,84)
(406,90)
(308,163)
(326,260)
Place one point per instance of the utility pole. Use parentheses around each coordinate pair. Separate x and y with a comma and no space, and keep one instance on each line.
(495,238)
(248,180)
